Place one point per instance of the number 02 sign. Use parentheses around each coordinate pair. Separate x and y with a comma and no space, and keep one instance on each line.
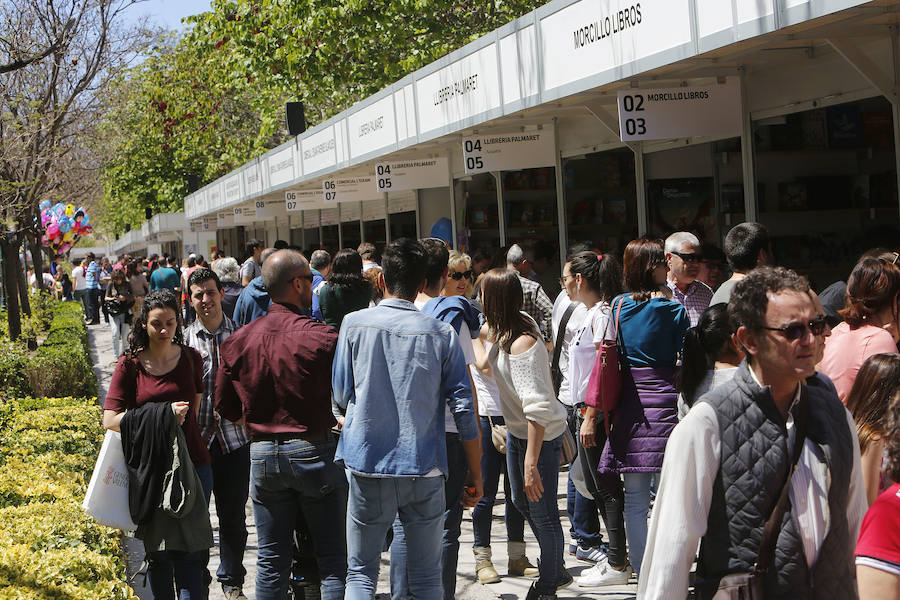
(666,113)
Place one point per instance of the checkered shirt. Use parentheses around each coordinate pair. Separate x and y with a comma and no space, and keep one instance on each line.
(230,435)
(695,300)
(538,305)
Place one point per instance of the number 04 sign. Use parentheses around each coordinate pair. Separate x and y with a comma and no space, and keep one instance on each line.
(666,113)
(509,151)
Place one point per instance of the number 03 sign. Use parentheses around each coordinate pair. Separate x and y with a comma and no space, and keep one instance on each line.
(666,113)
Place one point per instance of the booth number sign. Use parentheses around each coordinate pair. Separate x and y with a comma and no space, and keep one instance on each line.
(680,112)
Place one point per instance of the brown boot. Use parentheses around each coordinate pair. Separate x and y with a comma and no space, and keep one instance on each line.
(484,569)
(518,565)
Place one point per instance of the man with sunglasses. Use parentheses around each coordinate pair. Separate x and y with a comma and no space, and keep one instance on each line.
(275,378)
(685,260)
(727,462)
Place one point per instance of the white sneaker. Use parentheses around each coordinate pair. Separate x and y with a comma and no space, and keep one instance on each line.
(602,574)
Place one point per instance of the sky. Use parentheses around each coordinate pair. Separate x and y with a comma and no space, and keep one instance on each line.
(168,13)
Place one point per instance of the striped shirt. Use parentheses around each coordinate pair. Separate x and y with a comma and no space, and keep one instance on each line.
(231,436)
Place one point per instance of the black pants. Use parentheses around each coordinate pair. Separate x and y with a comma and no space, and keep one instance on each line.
(607,490)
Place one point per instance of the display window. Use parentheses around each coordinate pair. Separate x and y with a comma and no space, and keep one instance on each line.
(601,204)
(828,186)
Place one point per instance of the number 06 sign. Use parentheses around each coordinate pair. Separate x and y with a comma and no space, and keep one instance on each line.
(681,112)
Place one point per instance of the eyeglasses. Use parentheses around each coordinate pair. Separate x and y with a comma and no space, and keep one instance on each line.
(796,331)
(456,275)
(689,258)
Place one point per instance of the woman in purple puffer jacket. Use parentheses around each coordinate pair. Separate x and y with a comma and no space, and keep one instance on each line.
(650,336)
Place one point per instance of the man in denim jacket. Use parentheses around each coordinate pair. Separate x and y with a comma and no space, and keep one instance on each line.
(395,369)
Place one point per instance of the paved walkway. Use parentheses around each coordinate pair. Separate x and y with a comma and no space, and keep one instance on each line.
(467,587)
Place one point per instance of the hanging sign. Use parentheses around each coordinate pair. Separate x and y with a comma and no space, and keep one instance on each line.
(196,225)
(299,200)
(411,174)
(682,112)
(268,209)
(509,151)
(350,189)
(244,215)
(225,219)
(210,223)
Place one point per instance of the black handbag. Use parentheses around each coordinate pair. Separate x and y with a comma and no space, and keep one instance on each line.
(750,586)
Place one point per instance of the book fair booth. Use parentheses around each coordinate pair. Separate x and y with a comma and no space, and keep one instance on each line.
(603,120)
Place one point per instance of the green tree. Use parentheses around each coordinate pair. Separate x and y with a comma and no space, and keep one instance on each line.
(206,103)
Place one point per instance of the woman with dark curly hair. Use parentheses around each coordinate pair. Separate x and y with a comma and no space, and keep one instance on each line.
(159,368)
(346,291)
(876,385)
(870,322)
(878,549)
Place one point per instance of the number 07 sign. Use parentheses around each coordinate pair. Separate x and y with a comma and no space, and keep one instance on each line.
(681,112)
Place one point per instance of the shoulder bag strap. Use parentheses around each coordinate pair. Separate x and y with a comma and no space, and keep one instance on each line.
(557,348)
(773,524)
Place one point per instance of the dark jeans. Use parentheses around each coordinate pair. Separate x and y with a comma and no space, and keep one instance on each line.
(584,524)
(186,569)
(608,493)
(94,302)
(492,465)
(453,490)
(543,515)
(231,485)
(287,476)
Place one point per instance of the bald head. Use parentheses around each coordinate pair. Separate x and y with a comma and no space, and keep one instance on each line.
(280,270)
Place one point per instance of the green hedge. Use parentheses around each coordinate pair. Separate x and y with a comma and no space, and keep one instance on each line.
(62,365)
(13,377)
(49,547)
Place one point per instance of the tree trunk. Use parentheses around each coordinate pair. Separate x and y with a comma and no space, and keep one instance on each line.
(22,280)
(11,287)
(37,260)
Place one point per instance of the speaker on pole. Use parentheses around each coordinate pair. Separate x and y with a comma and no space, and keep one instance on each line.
(296,119)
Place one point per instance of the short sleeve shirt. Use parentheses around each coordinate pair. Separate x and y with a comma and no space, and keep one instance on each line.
(250,269)
(165,278)
(879,536)
(847,348)
(132,386)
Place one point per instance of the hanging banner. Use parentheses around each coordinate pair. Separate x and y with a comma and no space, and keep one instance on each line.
(681,112)
(509,151)
(225,219)
(350,189)
(269,209)
(411,174)
(300,200)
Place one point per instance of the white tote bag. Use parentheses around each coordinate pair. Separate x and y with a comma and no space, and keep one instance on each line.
(107,494)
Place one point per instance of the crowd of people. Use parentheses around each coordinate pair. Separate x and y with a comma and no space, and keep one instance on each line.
(363,402)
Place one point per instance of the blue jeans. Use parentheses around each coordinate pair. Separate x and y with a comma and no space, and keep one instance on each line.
(373,504)
(492,465)
(453,490)
(287,476)
(637,505)
(543,515)
(231,485)
(186,569)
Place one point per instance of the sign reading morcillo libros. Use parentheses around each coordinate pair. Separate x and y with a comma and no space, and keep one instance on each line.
(666,113)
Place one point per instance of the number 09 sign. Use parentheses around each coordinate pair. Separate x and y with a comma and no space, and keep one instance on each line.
(682,112)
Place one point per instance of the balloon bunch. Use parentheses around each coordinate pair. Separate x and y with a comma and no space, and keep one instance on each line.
(63,225)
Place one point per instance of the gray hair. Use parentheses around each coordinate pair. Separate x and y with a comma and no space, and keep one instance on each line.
(678,239)
(319,259)
(226,268)
(280,268)
(515,255)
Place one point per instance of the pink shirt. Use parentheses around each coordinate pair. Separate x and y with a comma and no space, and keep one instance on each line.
(847,349)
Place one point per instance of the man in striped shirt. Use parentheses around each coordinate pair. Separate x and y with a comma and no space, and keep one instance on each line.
(227,441)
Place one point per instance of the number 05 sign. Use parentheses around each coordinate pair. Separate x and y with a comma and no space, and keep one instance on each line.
(510,151)
(666,113)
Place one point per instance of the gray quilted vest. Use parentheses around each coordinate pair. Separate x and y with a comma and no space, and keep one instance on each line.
(752,471)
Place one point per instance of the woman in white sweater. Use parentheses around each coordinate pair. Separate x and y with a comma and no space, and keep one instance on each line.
(534,418)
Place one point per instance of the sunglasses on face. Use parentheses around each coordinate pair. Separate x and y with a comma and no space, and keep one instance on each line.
(689,258)
(796,331)
(456,275)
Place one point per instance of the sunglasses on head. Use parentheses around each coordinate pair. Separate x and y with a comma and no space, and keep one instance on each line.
(796,331)
(689,258)
(456,275)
